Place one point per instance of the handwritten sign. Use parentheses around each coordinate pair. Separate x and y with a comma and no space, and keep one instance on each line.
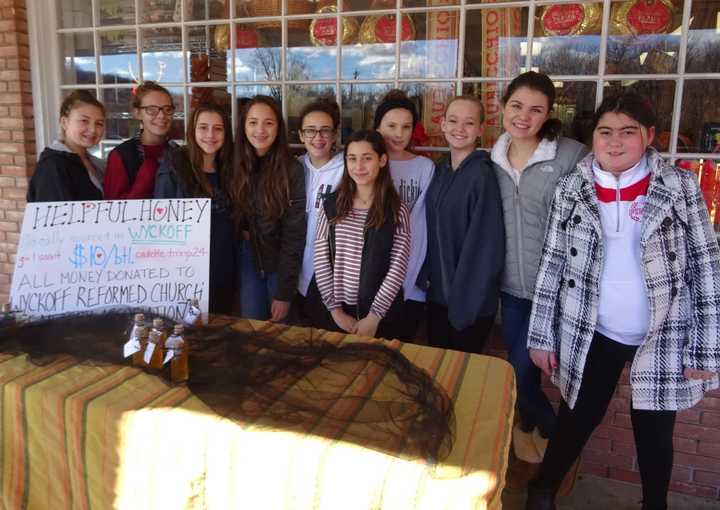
(100,255)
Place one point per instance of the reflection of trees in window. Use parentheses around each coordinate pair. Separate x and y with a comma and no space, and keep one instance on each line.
(703,52)
(568,55)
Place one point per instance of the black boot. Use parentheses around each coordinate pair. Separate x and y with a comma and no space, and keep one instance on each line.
(540,499)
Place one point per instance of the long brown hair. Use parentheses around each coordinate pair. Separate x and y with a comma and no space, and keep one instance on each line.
(385,197)
(194,177)
(266,188)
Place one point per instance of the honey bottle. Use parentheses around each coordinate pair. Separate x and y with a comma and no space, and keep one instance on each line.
(142,339)
(154,355)
(193,313)
(133,343)
(177,354)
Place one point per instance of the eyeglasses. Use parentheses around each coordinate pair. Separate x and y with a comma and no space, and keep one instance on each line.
(154,110)
(310,133)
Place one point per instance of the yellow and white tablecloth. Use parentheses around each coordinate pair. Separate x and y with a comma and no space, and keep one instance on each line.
(82,436)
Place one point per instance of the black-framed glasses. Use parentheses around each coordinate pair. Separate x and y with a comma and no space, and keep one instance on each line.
(311,133)
(154,110)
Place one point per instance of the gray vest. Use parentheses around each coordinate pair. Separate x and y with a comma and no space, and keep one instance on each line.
(526,209)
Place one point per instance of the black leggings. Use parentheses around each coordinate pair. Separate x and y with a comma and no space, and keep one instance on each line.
(653,430)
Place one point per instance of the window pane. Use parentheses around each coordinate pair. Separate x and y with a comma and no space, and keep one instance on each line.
(358,104)
(373,56)
(575,107)
(218,95)
(217,9)
(700,117)
(119,121)
(428,3)
(159,11)
(567,39)
(297,97)
(430,99)
(209,58)
(257,53)
(162,55)
(116,12)
(703,51)
(662,95)
(311,54)
(433,52)
(244,93)
(644,37)
(118,56)
(74,13)
(496,50)
(249,8)
(78,58)
(367,5)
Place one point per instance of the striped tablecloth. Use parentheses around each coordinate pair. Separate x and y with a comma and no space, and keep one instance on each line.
(80,436)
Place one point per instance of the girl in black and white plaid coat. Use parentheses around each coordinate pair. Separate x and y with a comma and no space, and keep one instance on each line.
(630,272)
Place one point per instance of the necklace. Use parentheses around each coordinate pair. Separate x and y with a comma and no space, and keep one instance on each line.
(364,201)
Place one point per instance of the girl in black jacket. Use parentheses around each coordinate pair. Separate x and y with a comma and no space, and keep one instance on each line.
(66,171)
(204,169)
(270,193)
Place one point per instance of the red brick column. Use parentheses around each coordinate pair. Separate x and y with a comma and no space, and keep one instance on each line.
(17,133)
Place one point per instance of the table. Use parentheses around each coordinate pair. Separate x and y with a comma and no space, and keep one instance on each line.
(82,436)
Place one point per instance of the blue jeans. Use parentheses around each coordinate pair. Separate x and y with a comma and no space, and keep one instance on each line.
(534,407)
(256,291)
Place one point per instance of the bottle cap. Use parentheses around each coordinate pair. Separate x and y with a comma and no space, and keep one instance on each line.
(158,323)
(139,317)
(5,308)
(178,329)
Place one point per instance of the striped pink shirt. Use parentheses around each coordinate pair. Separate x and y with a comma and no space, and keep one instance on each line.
(340,284)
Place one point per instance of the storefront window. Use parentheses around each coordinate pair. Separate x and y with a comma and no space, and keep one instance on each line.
(115,12)
(356,50)
(499,37)
(162,57)
(119,57)
(700,118)
(644,37)
(703,52)
(567,38)
(433,51)
(78,58)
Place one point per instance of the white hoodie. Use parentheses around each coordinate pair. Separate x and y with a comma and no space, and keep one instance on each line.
(412,179)
(318,182)
(623,310)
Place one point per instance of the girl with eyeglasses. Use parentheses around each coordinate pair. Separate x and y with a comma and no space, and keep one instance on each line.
(66,171)
(203,168)
(270,193)
(362,245)
(132,165)
(319,122)
(395,119)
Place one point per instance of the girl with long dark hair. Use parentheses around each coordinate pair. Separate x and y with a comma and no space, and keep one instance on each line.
(269,190)
(204,169)
(362,245)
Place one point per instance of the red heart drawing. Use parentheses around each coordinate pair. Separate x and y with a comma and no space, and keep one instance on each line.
(88,206)
(98,255)
(159,210)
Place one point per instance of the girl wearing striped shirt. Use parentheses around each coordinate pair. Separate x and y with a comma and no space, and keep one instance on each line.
(362,245)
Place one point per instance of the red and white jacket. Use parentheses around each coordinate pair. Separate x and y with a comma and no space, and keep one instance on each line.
(623,310)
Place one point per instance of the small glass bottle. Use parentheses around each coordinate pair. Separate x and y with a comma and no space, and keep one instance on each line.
(137,357)
(178,354)
(192,314)
(156,357)
(133,343)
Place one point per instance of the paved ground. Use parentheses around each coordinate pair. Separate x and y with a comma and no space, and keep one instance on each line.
(594,493)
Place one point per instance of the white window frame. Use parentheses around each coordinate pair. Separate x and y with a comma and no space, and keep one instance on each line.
(46,69)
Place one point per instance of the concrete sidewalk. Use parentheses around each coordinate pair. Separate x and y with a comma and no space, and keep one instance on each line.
(595,493)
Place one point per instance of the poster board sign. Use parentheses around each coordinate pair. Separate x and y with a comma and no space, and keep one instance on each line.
(112,254)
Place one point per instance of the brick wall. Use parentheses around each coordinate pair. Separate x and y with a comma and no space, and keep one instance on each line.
(17,134)
(611,450)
